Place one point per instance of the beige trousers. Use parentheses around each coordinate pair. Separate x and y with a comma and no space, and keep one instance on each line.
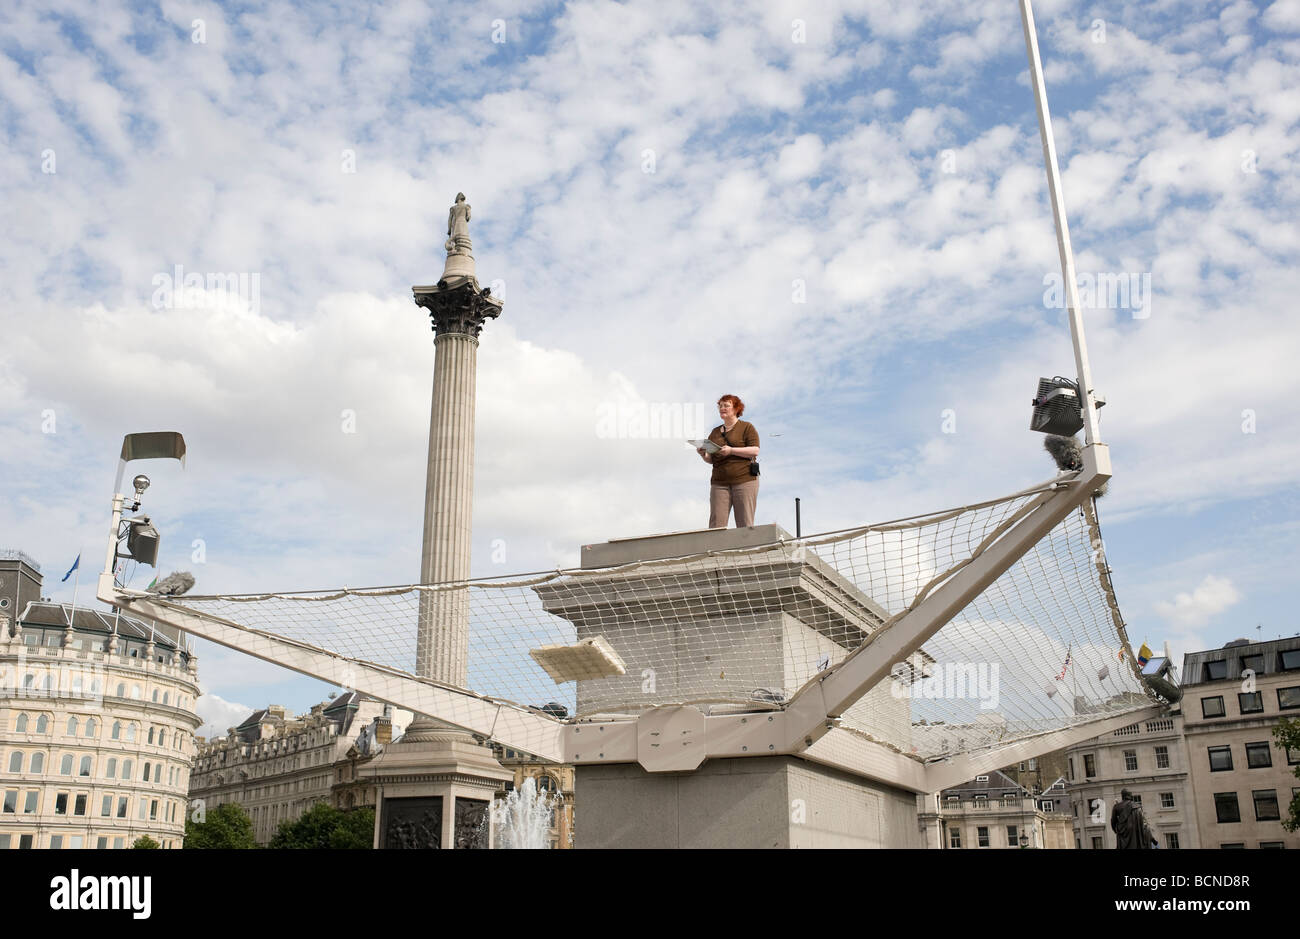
(744,498)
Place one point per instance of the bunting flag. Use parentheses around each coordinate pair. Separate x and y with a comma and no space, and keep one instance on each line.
(1121,653)
(1144,654)
(1064,668)
(75,564)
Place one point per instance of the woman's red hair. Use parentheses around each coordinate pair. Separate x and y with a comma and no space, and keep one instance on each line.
(736,403)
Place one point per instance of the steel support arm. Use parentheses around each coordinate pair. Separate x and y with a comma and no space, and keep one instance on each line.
(814,709)
(506,723)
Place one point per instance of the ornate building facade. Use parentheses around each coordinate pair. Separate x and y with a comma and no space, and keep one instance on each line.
(277,765)
(995,811)
(97,716)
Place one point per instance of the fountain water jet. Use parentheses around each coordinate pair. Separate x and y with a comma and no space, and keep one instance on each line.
(524,818)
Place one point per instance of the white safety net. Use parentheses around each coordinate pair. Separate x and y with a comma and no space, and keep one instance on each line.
(1041,648)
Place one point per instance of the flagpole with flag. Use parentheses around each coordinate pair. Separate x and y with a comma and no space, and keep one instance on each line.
(76,585)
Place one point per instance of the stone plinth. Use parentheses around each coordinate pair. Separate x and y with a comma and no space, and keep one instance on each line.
(728,632)
(752,802)
(434,790)
(750,627)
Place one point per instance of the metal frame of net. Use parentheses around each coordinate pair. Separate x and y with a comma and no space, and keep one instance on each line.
(1038,650)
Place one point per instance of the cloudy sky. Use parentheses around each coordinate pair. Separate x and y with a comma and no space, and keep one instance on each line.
(836,210)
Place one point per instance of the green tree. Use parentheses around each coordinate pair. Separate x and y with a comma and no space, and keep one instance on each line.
(323,826)
(1287,733)
(225,827)
(144,841)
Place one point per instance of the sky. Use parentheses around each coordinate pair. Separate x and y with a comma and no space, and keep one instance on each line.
(835,210)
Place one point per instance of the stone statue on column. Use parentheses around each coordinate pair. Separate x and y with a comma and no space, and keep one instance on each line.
(458,227)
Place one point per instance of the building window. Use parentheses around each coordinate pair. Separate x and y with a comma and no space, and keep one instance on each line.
(121,689)
(111,770)
(130,732)
(153,809)
(1253,662)
(1171,840)
(61,804)
(91,727)
(141,808)
(1258,755)
(1137,800)
(20,725)
(145,775)
(117,730)
(1070,764)
(121,806)
(1216,671)
(79,805)
(1225,807)
(106,807)
(954,837)
(1089,765)
(162,737)
(72,727)
(24,842)
(126,769)
(155,699)
(1220,759)
(1212,707)
(1271,844)
(85,767)
(75,842)
(4,842)
(65,765)
(1292,758)
(1250,702)
(1048,805)
(1288,698)
(11,802)
(1162,758)
(56,842)
(1096,844)
(102,843)
(42,724)
(982,835)
(1290,660)
(1130,761)
(1266,805)
(1011,836)
(16,762)
(980,779)
(1166,800)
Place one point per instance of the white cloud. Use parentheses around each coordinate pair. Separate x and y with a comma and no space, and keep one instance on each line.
(219,715)
(1210,597)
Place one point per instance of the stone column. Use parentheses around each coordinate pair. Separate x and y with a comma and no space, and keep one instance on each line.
(458,307)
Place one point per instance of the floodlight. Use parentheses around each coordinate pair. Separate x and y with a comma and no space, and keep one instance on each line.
(1056,408)
(142,541)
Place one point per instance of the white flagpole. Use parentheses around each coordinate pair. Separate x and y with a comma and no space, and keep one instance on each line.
(76,585)
(1091,430)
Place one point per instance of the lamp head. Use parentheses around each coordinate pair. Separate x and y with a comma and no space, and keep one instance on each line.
(141,483)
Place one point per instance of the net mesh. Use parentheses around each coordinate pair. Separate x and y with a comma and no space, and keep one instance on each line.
(1041,648)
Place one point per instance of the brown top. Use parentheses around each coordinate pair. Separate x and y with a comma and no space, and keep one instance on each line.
(733,470)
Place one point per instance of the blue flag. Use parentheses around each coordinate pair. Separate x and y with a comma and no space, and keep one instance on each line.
(75,564)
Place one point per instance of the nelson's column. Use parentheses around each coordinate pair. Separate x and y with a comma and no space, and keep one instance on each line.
(436,782)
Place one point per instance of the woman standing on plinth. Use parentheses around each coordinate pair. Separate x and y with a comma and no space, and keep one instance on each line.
(734,483)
